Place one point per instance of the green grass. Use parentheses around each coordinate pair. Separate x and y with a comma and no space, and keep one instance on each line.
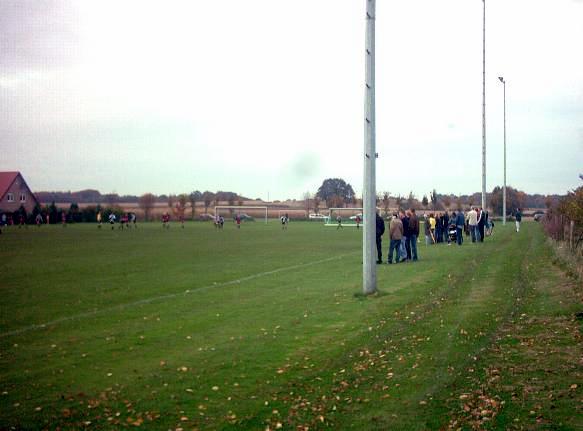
(247,329)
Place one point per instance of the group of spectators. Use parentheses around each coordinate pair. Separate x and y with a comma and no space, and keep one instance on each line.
(403,233)
(439,228)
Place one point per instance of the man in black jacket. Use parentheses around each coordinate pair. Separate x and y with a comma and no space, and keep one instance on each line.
(482,223)
(413,233)
(380,231)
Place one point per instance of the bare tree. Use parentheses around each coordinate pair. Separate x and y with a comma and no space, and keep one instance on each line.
(459,203)
(316,204)
(181,206)
(386,202)
(399,202)
(433,197)
(425,201)
(307,206)
(207,198)
(446,201)
(193,197)
(411,200)
(146,203)
(231,202)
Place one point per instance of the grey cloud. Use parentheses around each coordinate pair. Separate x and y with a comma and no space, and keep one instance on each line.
(36,35)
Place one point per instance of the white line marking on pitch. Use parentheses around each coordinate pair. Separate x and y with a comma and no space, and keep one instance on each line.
(168,296)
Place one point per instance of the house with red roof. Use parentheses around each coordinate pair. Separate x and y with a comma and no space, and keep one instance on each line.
(14,193)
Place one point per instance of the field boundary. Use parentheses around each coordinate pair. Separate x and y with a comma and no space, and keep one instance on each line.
(169,296)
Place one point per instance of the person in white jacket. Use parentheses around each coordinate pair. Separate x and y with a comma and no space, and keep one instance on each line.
(472,218)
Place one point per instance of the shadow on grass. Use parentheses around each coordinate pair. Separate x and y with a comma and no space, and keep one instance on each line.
(363,296)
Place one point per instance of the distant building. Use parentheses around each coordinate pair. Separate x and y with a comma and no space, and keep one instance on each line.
(14,192)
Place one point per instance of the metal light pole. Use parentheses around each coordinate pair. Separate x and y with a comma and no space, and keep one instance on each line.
(369,271)
(484,110)
(504,188)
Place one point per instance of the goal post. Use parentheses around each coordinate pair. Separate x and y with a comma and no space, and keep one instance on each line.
(347,215)
(238,209)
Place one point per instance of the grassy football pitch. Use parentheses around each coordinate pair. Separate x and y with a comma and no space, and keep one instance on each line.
(260,328)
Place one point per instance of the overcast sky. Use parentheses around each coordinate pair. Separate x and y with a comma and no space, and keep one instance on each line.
(266,96)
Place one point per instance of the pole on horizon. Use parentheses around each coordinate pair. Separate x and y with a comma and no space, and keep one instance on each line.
(504,188)
(484,109)
(369,271)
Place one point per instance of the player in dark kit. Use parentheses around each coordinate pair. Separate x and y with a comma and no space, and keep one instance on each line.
(166,221)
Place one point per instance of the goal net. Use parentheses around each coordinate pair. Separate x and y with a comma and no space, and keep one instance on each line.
(244,211)
(347,216)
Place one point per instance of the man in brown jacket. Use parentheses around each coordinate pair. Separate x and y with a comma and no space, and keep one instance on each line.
(396,234)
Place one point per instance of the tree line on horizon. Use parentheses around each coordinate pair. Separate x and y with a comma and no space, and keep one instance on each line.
(333,193)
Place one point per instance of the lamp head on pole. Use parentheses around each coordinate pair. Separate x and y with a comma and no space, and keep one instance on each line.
(501,79)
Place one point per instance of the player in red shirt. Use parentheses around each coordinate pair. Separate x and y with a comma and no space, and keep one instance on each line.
(238,221)
(166,221)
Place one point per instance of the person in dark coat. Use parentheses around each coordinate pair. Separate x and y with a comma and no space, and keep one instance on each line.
(413,233)
(460,223)
(482,223)
(445,226)
(380,230)
(406,244)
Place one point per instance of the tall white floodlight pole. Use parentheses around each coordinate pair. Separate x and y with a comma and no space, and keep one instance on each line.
(504,188)
(484,110)
(369,271)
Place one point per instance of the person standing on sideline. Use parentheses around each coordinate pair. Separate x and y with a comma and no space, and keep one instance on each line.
(405,246)
(432,224)
(396,234)
(413,233)
(481,223)
(445,226)
(460,223)
(427,230)
(380,230)
(518,217)
(437,227)
(38,219)
(472,218)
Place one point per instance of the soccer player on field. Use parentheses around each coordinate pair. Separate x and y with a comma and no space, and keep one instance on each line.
(358,221)
(112,220)
(181,218)
(64,219)
(133,219)
(123,221)
(238,221)
(98,219)
(39,219)
(166,220)
(221,222)
(339,220)
(284,221)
